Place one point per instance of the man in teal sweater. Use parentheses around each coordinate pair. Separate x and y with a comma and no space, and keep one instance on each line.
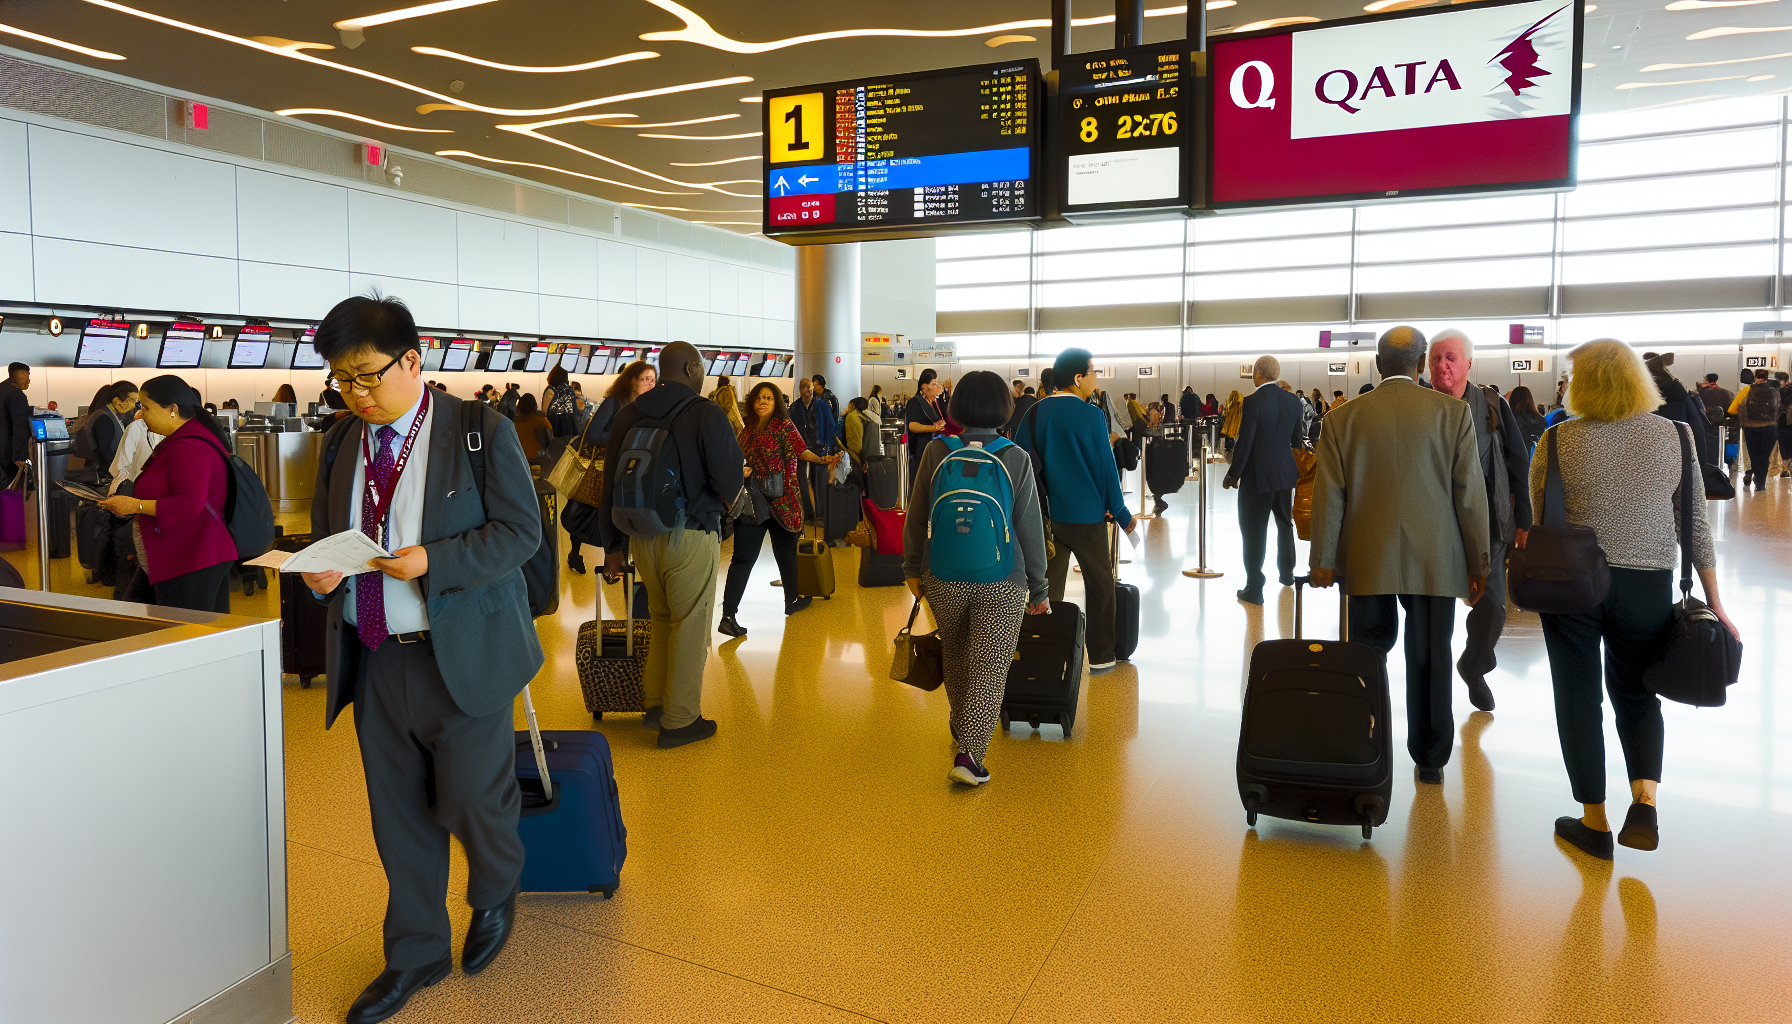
(1079,487)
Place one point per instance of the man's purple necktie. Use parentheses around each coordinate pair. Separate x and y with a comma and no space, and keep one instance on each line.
(370,587)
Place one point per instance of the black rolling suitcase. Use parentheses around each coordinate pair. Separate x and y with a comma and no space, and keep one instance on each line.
(1316,742)
(879,570)
(1126,605)
(93,535)
(62,508)
(1166,464)
(302,619)
(1046,677)
(840,512)
(883,481)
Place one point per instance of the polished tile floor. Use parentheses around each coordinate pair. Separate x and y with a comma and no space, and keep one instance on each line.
(812,862)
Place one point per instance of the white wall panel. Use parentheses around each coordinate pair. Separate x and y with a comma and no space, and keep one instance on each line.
(752,332)
(433,305)
(77,272)
(780,334)
(101,191)
(780,297)
(750,292)
(617,320)
(562,315)
(15,268)
(304,293)
(615,271)
(568,264)
(496,253)
(15,179)
(283,219)
(687,325)
(488,309)
(724,288)
(650,323)
(393,237)
(687,282)
(650,277)
(724,330)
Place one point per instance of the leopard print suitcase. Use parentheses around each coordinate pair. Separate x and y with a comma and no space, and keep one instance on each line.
(611,677)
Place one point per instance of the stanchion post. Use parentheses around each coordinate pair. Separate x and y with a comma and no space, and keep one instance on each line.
(1201,571)
(1144,499)
(43,515)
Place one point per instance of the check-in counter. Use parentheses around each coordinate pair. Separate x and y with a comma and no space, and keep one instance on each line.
(142,815)
(286,463)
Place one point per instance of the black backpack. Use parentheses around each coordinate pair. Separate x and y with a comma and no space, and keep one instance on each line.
(649,492)
(1762,406)
(248,514)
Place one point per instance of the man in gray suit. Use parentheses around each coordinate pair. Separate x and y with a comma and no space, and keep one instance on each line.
(431,646)
(1263,470)
(1400,512)
(1506,472)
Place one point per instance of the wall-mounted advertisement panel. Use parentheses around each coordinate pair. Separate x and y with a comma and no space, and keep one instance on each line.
(1426,102)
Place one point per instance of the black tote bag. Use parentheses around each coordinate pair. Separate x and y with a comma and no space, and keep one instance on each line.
(1700,658)
(1561,568)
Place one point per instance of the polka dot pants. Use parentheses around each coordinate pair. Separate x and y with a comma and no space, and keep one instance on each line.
(979,632)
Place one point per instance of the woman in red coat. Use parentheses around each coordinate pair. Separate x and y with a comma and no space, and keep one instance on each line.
(183,543)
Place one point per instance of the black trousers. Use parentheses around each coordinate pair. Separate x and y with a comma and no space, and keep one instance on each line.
(749,538)
(1430,725)
(1487,619)
(1632,622)
(1760,441)
(202,590)
(1089,543)
(1785,436)
(1254,510)
(433,770)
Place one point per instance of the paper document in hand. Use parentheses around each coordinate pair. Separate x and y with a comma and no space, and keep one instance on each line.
(346,552)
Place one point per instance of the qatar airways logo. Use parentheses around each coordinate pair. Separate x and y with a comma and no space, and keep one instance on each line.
(1464,66)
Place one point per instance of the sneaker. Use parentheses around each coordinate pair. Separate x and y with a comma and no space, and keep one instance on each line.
(701,729)
(1098,667)
(729,627)
(968,771)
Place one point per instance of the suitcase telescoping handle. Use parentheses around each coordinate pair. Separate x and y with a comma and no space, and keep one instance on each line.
(1343,606)
(541,756)
(628,607)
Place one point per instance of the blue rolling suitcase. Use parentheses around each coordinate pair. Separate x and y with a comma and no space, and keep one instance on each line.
(573,836)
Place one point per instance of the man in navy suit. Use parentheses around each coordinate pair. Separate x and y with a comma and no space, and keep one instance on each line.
(1263,471)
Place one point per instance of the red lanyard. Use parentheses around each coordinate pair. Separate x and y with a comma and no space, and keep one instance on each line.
(382,504)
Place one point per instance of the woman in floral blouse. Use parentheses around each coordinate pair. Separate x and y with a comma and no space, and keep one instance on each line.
(773,448)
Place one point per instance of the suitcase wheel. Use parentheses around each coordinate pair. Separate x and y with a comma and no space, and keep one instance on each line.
(1368,830)
(1003,719)
(1250,817)
(598,715)
(1065,721)
(1032,720)
(607,890)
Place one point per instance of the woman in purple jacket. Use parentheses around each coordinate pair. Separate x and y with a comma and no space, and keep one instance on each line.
(183,544)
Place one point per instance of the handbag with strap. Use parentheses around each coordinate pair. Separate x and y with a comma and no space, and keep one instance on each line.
(1306,466)
(569,471)
(919,661)
(771,485)
(1700,657)
(1561,568)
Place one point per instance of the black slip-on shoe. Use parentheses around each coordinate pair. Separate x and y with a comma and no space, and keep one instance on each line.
(392,989)
(1641,830)
(1251,596)
(1589,841)
(1432,776)
(486,935)
(651,720)
(701,729)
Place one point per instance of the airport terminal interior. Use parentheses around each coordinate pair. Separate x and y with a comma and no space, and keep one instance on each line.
(189,186)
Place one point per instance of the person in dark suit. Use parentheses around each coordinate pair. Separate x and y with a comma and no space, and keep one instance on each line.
(1263,470)
(431,646)
(15,421)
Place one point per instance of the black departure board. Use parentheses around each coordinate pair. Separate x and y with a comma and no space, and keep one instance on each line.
(1125,137)
(904,155)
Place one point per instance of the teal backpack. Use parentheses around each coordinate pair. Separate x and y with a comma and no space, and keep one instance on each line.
(971,528)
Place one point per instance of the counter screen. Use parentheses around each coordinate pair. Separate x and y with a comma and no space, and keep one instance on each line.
(500,357)
(1124,131)
(902,155)
(538,359)
(569,360)
(182,345)
(304,354)
(601,358)
(250,350)
(457,356)
(102,343)
(741,362)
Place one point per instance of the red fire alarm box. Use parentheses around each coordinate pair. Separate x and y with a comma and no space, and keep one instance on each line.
(198,115)
(374,155)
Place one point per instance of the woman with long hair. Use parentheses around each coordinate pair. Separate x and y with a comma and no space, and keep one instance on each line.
(560,402)
(534,428)
(1211,407)
(875,401)
(925,417)
(773,447)
(1530,418)
(724,396)
(184,546)
(1319,406)
(635,380)
(285,393)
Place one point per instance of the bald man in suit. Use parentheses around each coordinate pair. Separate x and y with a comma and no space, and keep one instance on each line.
(1400,512)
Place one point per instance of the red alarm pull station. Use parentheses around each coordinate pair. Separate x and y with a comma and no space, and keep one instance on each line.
(198,116)
(375,155)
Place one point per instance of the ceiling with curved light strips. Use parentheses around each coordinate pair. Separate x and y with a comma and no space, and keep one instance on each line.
(653,102)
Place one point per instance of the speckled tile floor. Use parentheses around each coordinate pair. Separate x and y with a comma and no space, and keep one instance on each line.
(812,862)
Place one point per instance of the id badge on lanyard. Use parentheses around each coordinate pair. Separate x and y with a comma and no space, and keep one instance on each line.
(382,503)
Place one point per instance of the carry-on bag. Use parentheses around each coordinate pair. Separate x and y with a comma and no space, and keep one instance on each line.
(303,619)
(62,511)
(840,512)
(1046,677)
(1126,603)
(879,570)
(814,569)
(887,525)
(611,658)
(1316,740)
(12,513)
(1306,463)
(1701,658)
(1166,464)
(93,534)
(883,481)
(571,821)
(919,661)
(1561,567)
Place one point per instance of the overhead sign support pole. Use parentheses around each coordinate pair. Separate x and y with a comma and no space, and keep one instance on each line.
(1061,45)
(1129,24)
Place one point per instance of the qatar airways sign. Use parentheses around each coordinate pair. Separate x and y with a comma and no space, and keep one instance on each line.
(1463,99)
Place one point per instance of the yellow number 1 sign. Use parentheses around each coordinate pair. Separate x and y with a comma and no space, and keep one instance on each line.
(796,128)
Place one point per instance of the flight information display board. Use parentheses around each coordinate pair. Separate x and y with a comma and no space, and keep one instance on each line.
(250,350)
(903,155)
(1427,102)
(1126,130)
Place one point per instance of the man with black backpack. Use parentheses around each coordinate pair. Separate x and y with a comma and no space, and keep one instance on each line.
(672,468)
(1759,406)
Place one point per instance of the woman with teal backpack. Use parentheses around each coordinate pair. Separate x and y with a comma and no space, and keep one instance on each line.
(974,547)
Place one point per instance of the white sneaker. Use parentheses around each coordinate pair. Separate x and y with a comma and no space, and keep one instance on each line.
(1098,667)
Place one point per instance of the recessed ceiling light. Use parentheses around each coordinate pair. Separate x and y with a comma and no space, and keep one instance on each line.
(1714,63)
(752,99)
(1761,78)
(422,10)
(558,170)
(718,163)
(1273,23)
(1214,5)
(1699,5)
(282,43)
(559,69)
(1589,65)
(673,124)
(1689,81)
(1713,33)
(113,5)
(326,112)
(533,131)
(684,209)
(77,48)
(1590,8)
(1393,5)
(1005,40)
(700,138)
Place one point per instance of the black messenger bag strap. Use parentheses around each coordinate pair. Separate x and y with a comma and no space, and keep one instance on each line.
(1555,511)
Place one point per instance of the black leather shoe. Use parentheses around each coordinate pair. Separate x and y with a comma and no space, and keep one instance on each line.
(701,729)
(1250,596)
(651,720)
(1479,693)
(486,935)
(792,607)
(576,563)
(392,989)
(1640,831)
(729,627)
(1589,841)
(1433,776)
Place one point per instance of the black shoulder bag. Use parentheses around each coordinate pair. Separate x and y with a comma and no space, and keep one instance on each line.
(1700,658)
(1561,568)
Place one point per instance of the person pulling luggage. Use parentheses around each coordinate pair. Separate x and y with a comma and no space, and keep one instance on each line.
(974,547)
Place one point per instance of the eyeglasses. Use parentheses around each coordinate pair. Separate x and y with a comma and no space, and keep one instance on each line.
(365,382)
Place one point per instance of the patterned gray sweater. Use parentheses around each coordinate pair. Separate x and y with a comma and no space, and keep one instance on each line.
(1623,480)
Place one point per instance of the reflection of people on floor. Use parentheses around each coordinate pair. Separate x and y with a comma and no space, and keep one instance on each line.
(1312,908)
(1582,988)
